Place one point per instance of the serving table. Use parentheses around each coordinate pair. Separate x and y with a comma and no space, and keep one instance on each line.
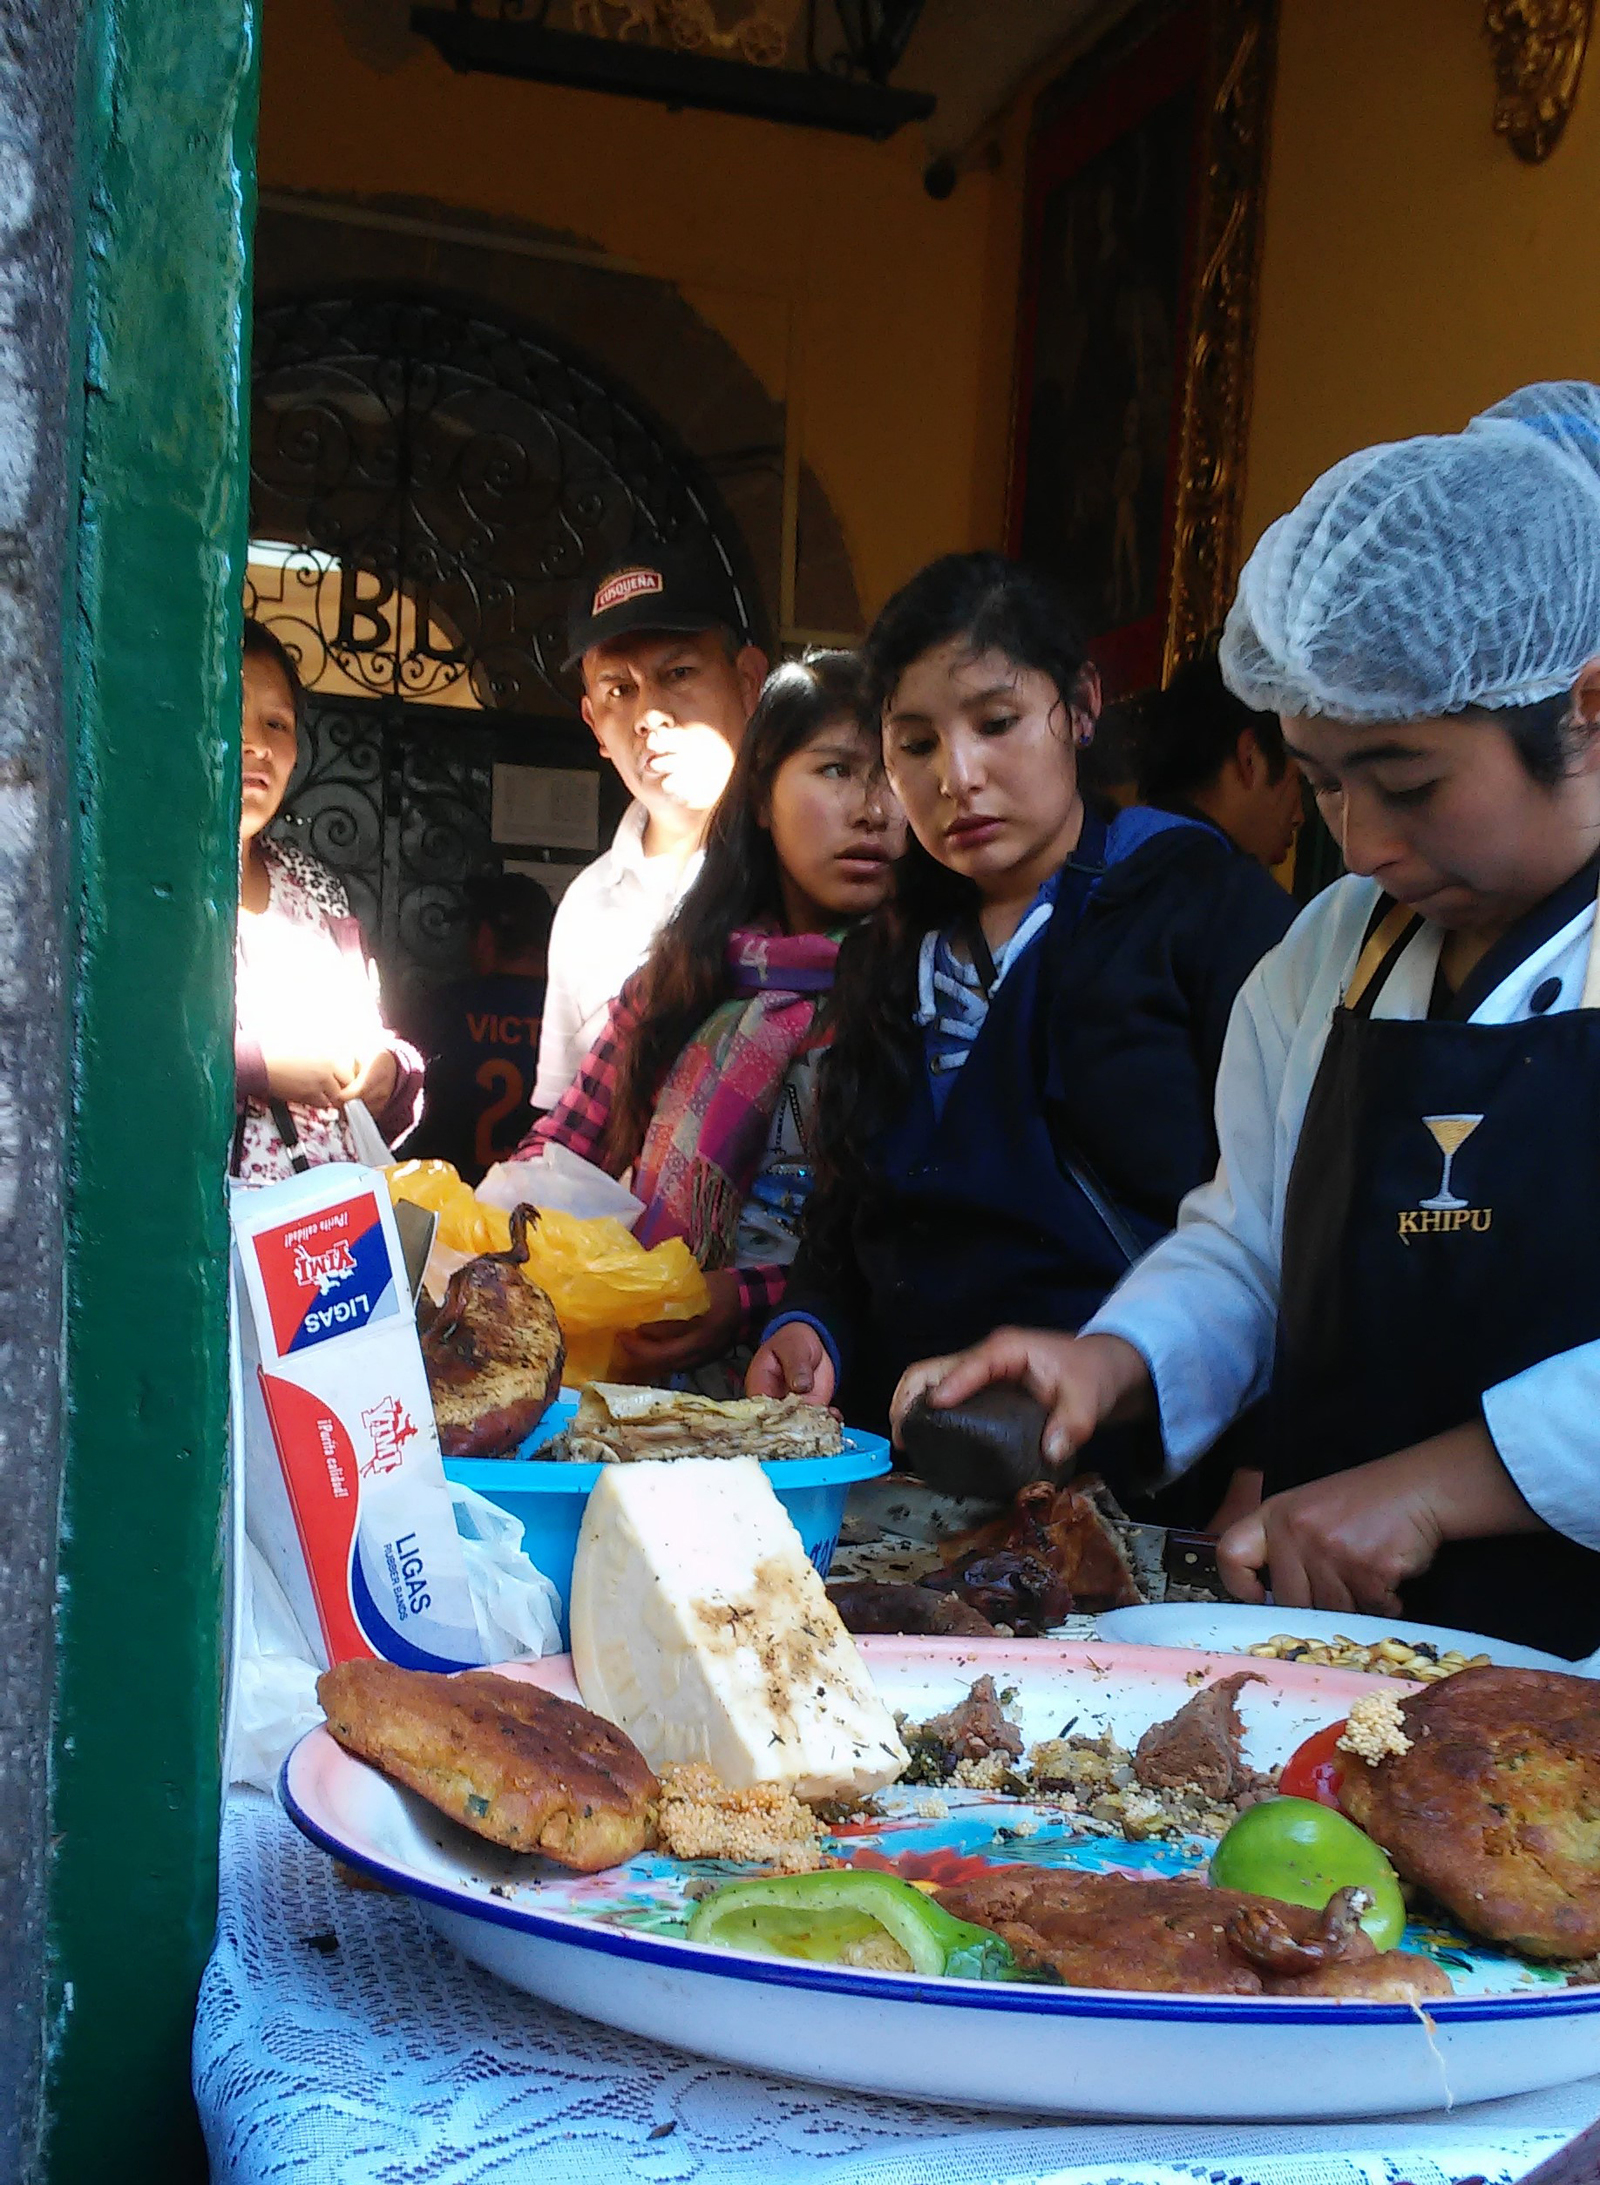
(340,2040)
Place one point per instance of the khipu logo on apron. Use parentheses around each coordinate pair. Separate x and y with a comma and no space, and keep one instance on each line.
(1445,1214)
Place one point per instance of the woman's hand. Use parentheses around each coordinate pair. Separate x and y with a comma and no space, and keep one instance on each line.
(664,1347)
(375,1082)
(1349,1542)
(794,1362)
(316,1081)
(1083,1379)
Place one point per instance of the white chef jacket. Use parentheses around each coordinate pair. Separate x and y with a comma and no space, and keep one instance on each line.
(1201,1307)
(603,929)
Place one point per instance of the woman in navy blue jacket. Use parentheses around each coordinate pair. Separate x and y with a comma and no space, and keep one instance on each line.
(1027,1035)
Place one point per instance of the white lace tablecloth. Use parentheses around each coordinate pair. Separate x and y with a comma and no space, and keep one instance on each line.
(340,2040)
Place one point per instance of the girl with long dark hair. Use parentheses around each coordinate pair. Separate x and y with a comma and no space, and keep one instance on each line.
(1019,1089)
(702,1080)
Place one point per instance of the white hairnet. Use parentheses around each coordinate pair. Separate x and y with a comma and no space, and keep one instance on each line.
(1428,575)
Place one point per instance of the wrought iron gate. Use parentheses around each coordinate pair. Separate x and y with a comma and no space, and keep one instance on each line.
(429,484)
(396,799)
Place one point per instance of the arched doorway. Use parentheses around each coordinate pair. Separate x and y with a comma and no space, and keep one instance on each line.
(427,483)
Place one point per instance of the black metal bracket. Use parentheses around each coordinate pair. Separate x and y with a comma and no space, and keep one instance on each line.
(805,98)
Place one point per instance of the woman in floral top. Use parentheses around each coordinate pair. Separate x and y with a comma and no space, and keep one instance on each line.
(309,1035)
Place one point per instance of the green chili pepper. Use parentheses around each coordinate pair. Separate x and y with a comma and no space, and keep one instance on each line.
(847,1917)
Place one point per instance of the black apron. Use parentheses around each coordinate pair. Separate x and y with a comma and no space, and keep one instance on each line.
(1442,1233)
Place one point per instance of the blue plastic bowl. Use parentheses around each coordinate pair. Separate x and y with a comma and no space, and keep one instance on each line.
(549,1498)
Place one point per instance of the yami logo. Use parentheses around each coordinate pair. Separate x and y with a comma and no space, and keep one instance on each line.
(323,1271)
(389,1427)
(1445,1213)
(327,1274)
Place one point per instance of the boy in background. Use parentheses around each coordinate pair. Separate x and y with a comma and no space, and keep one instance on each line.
(1204,753)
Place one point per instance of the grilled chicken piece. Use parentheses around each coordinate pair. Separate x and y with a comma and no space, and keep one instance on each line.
(493,1351)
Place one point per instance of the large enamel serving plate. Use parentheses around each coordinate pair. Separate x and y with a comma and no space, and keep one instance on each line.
(612,1946)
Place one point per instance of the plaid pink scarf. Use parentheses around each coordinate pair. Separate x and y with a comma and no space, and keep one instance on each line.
(714,1113)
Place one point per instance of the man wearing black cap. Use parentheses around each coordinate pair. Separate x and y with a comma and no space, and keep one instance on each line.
(669,681)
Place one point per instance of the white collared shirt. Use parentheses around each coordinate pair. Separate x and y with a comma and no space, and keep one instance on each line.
(603,928)
(1201,1307)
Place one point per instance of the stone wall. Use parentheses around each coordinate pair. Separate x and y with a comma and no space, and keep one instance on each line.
(37,76)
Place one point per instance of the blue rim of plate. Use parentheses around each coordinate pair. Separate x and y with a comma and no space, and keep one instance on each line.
(864,1456)
(667,1951)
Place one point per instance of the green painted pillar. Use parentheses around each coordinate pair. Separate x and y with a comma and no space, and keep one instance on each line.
(166,185)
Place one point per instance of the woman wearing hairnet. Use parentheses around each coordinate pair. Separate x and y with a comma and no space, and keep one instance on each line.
(1401,1247)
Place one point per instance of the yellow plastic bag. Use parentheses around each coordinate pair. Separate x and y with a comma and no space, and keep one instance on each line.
(465,1224)
(596,1274)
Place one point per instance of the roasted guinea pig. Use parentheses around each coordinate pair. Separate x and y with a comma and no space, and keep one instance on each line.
(506,1759)
(493,1351)
(867,1608)
(1054,1551)
(1495,1810)
(1180,1936)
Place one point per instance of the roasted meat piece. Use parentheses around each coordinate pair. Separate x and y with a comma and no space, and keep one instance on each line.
(506,1759)
(1056,1550)
(1199,1745)
(973,1729)
(1335,1957)
(1084,1549)
(1181,1937)
(869,1608)
(1495,1810)
(1007,1588)
(493,1351)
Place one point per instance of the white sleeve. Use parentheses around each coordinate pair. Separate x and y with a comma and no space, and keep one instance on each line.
(1543,1423)
(561,1044)
(1201,1308)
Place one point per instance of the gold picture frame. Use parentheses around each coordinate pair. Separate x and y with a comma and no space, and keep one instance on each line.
(1147,170)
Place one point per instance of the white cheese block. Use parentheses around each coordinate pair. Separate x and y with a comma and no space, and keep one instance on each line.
(700,1627)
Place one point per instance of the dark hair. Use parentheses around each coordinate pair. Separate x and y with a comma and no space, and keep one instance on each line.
(260,643)
(515,907)
(1184,735)
(685,975)
(988,604)
(1541,734)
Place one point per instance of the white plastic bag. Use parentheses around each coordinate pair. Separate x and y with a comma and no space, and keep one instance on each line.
(274,1679)
(518,1609)
(275,1672)
(372,1148)
(560,1179)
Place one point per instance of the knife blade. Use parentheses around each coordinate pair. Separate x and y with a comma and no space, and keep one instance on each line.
(1165,1556)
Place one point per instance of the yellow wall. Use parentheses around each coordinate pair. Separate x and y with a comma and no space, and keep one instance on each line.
(820,258)
(1414,269)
